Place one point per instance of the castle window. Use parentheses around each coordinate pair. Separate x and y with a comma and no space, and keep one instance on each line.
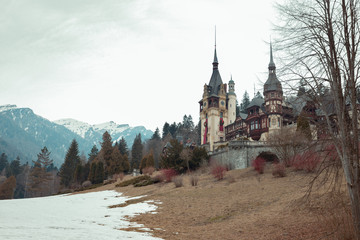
(269,122)
(279,121)
(272,94)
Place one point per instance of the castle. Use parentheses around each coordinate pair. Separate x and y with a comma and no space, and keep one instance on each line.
(219,121)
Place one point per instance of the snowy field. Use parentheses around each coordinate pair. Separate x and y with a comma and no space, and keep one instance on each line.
(79,216)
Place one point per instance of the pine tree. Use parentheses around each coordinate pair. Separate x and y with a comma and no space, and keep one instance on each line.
(258,95)
(136,152)
(99,173)
(123,147)
(68,168)
(117,161)
(150,162)
(92,174)
(106,151)
(245,102)
(125,163)
(7,188)
(303,126)
(156,135)
(165,130)
(3,162)
(39,177)
(14,168)
(93,153)
(173,129)
(143,163)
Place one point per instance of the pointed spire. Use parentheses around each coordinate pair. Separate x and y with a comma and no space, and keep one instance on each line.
(271,64)
(215,62)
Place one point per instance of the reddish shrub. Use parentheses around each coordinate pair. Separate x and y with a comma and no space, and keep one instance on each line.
(259,164)
(307,161)
(279,170)
(218,171)
(168,174)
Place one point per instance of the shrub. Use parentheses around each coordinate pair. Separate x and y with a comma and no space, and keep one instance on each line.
(194,179)
(168,174)
(218,171)
(178,181)
(307,161)
(133,181)
(279,170)
(144,183)
(86,184)
(109,181)
(148,170)
(259,164)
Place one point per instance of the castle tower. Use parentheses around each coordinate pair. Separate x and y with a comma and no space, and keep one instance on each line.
(273,96)
(214,108)
(231,102)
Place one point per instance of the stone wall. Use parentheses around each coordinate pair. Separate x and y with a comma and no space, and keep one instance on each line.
(239,154)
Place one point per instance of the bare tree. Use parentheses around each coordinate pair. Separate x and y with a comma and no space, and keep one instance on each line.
(321,39)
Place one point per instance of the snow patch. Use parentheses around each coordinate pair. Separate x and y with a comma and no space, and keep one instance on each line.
(79,216)
(7,107)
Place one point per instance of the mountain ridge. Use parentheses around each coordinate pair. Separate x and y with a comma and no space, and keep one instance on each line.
(24,133)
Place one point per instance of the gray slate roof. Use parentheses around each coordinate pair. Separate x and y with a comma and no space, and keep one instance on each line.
(272,83)
(215,80)
(256,102)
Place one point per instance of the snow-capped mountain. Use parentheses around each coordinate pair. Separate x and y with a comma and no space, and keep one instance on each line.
(95,132)
(24,134)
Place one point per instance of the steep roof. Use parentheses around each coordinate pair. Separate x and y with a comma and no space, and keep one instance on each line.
(256,102)
(272,83)
(215,80)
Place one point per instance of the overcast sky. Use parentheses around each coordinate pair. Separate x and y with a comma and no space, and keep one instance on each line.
(141,62)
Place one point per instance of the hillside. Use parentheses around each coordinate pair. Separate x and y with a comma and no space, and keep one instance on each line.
(24,133)
(244,206)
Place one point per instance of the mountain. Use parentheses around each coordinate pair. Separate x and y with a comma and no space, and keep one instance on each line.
(94,132)
(24,134)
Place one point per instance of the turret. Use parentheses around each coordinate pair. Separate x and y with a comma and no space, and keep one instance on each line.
(273,95)
(231,102)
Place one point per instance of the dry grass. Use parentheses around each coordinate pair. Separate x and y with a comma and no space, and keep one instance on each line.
(253,206)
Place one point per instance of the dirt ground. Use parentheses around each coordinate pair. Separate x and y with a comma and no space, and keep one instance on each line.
(244,205)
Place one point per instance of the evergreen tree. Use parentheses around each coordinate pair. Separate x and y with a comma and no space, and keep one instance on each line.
(78,173)
(143,163)
(39,177)
(106,151)
(117,158)
(93,153)
(303,126)
(7,188)
(156,135)
(165,130)
(136,152)
(171,158)
(125,163)
(14,168)
(99,173)
(92,174)
(173,129)
(3,162)
(123,147)
(258,95)
(68,168)
(245,102)
(150,161)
